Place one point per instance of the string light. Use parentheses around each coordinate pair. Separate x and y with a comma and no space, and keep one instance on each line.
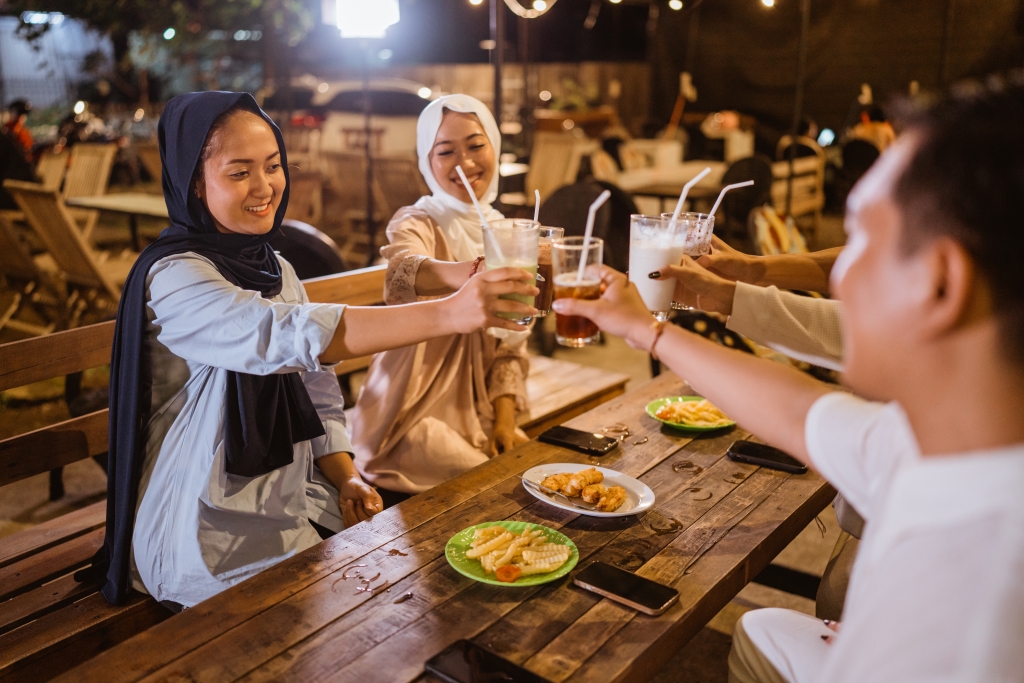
(675,4)
(768,3)
(475,2)
(540,5)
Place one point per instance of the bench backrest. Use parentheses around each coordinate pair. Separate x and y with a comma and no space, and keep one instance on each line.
(62,353)
(51,168)
(91,163)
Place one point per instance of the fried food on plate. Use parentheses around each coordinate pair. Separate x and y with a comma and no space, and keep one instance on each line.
(509,556)
(593,493)
(556,481)
(700,413)
(582,480)
(612,499)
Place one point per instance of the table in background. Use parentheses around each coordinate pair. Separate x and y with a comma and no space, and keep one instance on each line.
(132,204)
(716,524)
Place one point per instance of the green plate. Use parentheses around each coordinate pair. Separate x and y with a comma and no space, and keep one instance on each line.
(457,546)
(654,406)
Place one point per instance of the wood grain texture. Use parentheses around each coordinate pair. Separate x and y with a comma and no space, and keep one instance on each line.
(49,564)
(51,447)
(52,532)
(59,641)
(715,524)
(53,355)
(40,601)
(363,287)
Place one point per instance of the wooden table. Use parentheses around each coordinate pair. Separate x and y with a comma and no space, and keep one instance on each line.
(714,526)
(132,204)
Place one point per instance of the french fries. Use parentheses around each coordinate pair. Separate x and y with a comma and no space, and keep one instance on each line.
(530,552)
(700,413)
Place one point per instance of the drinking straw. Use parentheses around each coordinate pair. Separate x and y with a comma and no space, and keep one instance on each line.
(536,206)
(682,197)
(472,195)
(724,190)
(591,215)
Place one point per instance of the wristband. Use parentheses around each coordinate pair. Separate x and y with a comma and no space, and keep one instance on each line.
(476,264)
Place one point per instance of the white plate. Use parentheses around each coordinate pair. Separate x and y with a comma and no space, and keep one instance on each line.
(639,496)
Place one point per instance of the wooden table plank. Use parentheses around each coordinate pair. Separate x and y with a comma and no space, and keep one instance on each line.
(301,620)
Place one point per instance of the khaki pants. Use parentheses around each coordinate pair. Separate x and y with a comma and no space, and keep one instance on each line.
(774,645)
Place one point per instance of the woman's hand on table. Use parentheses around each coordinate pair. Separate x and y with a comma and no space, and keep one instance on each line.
(619,311)
(476,305)
(359,501)
(699,287)
(505,436)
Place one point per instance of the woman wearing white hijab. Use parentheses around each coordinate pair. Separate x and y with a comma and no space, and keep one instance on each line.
(432,411)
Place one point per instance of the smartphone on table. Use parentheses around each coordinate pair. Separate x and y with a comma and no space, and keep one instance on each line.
(764,456)
(643,595)
(577,440)
(466,662)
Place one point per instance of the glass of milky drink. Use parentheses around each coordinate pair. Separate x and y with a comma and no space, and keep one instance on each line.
(654,242)
(545,276)
(698,229)
(566,253)
(512,244)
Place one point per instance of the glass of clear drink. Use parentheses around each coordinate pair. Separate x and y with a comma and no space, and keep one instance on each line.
(698,228)
(566,253)
(545,276)
(653,244)
(513,244)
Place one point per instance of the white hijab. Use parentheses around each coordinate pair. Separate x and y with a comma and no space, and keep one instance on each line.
(459,221)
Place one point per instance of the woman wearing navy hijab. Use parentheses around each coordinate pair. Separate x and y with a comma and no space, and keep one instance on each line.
(227,438)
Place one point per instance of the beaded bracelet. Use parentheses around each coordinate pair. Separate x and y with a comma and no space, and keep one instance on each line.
(476,264)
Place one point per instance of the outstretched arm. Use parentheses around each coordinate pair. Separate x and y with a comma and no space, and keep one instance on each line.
(365,330)
(808,272)
(769,399)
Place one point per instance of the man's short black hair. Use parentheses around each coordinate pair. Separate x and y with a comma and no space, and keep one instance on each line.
(966,180)
(20,107)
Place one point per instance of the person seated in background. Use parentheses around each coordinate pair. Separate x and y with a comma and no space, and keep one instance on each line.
(430,412)
(748,289)
(931,447)
(16,128)
(874,127)
(228,445)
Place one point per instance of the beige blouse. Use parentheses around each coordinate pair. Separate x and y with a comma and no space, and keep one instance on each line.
(425,413)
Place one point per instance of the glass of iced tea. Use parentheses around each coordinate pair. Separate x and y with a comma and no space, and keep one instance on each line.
(566,253)
(545,276)
(512,244)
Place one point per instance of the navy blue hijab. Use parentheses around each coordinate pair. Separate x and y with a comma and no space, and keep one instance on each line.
(266,415)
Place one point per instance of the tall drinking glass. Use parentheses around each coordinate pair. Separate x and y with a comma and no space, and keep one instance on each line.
(512,244)
(545,276)
(698,228)
(652,246)
(566,252)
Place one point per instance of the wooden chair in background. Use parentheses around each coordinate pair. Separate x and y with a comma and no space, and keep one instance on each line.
(554,162)
(345,176)
(149,157)
(30,286)
(398,183)
(88,176)
(93,279)
(51,168)
(808,179)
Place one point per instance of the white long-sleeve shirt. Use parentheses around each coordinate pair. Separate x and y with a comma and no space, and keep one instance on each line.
(798,326)
(198,529)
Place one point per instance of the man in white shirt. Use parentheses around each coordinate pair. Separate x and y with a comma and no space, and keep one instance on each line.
(932,287)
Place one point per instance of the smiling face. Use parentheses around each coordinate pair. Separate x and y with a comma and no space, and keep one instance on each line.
(242,181)
(461,140)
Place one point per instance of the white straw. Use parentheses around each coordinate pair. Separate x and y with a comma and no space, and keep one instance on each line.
(591,215)
(724,190)
(536,206)
(472,195)
(487,226)
(682,197)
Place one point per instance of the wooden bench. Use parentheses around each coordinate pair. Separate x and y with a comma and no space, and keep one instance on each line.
(48,622)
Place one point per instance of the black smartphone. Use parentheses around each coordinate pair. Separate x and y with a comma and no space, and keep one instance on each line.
(466,662)
(765,456)
(584,442)
(644,595)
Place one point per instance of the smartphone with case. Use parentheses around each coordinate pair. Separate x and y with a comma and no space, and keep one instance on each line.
(643,595)
(577,440)
(466,662)
(764,456)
